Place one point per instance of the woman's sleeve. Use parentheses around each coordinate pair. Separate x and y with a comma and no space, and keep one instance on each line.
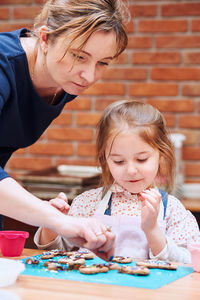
(4,95)
(182,229)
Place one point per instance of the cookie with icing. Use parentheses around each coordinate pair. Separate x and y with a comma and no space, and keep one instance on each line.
(93,269)
(160,264)
(32,261)
(122,259)
(134,270)
(87,254)
(55,267)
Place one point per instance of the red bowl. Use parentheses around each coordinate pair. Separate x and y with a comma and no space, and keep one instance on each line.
(12,242)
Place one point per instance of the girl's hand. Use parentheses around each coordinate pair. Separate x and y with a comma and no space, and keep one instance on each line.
(61,203)
(150,200)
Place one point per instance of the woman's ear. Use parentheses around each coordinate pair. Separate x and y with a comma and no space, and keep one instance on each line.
(43,39)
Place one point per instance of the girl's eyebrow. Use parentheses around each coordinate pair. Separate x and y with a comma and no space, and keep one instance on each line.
(117,154)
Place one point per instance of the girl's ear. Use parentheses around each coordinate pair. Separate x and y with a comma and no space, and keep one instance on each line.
(43,39)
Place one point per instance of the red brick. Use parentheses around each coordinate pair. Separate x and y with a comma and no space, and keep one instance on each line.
(63,119)
(90,119)
(173,105)
(106,89)
(25,12)
(139,42)
(79,103)
(86,149)
(52,149)
(153,89)
(121,59)
(178,42)
(163,26)
(182,9)
(192,169)
(7,2)
(4,27)
(175,74)
(28,163)
(129,27)
(195,25)
(69,134)
(170,120)
(191,90)
(125,74)
(189,121)
(156,58)
(101,104)
(143,10)
(191,58)
(191,153)
(4,13)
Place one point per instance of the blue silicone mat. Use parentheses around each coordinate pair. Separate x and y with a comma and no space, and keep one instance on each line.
(156,279)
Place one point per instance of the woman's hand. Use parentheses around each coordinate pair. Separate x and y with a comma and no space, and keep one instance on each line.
(61,203)
(150,200)
(89,233)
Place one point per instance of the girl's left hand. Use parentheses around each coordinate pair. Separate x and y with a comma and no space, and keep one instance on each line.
(61,203)
(150,200)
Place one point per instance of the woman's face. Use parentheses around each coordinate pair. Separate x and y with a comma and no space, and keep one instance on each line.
(77,71)
(132,162)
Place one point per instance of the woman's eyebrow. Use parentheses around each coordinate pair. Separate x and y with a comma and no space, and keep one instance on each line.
(87,53)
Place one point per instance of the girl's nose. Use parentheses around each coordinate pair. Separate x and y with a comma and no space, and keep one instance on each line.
(131,168)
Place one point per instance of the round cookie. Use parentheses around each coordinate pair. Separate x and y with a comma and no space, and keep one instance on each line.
(55,267)
(93,269)
(122,259)
(134,270)
(160,264)
(32,261)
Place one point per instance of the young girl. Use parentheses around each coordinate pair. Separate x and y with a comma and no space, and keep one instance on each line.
(133,149)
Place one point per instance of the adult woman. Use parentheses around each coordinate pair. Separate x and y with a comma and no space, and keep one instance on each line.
(72,43)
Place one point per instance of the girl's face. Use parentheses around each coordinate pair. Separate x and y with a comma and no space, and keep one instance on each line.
(132,162)
(77,71)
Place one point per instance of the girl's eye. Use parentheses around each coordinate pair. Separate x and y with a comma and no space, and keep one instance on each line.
(118,162)
(142,160)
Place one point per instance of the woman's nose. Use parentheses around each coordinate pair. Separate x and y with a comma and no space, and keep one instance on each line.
(88,74)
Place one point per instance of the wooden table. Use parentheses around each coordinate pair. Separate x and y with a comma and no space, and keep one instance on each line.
(37,288)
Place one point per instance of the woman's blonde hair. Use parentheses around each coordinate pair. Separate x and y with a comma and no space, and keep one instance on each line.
(149,124)
(81,18)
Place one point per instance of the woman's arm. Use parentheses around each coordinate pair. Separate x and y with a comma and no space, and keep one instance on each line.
(19,204)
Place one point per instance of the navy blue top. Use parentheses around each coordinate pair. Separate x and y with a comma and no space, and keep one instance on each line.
(24,115)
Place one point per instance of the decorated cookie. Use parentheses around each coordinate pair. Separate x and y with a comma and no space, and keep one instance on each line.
(87,254)
(111,266)
(55,267)
(134,270)
(93,269)
(122,259)
(32,261)
(47,255)
(160,264)
(46,263)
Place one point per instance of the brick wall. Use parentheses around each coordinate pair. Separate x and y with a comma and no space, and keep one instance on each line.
(161,66)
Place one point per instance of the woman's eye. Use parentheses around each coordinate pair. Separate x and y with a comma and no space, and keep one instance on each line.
(76,56)
(103,63)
